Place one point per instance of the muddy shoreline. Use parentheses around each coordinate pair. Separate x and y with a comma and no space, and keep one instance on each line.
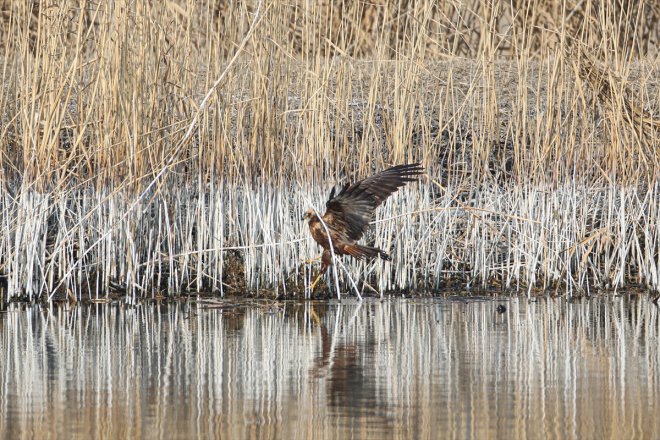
(238,294)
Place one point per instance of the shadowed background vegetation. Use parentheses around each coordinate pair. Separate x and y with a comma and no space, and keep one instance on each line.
(538,122)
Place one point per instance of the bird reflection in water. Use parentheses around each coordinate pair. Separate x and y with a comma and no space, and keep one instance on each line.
(342,367)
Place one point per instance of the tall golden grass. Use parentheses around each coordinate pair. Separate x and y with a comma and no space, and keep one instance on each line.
(114,171)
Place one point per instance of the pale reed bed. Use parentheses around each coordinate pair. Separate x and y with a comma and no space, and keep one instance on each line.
(223,238)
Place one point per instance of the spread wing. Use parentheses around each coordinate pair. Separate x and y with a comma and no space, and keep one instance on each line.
(350,211)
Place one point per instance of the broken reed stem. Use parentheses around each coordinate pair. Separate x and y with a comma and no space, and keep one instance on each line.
(350,279)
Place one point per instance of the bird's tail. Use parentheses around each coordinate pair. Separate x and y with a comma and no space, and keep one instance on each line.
(361,252)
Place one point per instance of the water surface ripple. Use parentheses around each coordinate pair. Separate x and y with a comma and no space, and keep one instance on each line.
(441,368)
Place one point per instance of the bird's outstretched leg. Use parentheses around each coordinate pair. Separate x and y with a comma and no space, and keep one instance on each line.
(316,281)
(322,271)
(326,261)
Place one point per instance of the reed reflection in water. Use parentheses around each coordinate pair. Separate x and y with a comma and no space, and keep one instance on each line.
(399,369)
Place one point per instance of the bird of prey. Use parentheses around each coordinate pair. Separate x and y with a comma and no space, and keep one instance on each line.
(349,212)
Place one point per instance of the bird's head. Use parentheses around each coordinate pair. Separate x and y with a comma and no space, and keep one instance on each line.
(309,214)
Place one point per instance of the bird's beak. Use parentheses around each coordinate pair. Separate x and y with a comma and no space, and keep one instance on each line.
(303,218)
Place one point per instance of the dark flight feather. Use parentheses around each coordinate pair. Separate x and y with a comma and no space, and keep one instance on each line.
(352,209)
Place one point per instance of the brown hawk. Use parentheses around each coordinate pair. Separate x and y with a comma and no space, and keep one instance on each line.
(349,213)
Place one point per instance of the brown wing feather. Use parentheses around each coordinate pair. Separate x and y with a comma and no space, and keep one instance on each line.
(350,211)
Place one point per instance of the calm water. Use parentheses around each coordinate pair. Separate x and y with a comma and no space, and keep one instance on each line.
(442,368)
